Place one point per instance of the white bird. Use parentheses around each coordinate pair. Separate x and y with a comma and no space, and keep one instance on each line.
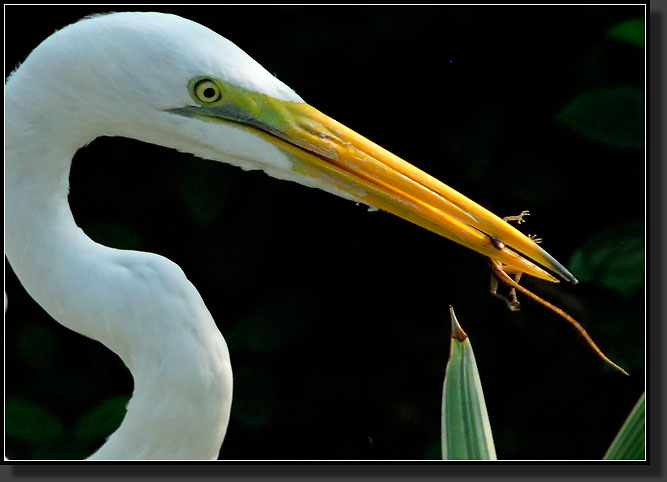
(165,80)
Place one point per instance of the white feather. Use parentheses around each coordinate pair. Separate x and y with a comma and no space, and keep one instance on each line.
(114,75)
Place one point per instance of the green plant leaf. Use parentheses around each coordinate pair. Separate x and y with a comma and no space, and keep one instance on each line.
(102,420)
(30,422)
(631,31)
(629,443)
(613,258)
(612,116)
(466,431)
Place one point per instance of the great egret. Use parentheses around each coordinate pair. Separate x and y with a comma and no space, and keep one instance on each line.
(165,80)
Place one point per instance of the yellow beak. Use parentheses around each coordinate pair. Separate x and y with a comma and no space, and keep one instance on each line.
(356,165)
(324,149)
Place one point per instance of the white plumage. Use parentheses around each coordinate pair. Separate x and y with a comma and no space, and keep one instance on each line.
(70,90)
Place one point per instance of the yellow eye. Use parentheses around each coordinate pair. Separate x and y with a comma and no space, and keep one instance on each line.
(207,91)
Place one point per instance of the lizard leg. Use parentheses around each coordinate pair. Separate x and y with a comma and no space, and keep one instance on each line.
(512,302)
(519,219)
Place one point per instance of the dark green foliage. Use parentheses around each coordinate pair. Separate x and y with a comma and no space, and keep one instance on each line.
(631,31)
(102,420)
(613,116)
(29,422)
(613,258)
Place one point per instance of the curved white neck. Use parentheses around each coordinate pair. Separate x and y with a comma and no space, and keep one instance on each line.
(140,305)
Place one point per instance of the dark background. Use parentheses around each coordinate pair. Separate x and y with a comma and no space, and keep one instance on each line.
(336,318)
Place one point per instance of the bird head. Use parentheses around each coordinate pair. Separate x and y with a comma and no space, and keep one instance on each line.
(169,81)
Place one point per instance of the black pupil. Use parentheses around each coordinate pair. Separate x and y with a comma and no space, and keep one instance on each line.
(209,92)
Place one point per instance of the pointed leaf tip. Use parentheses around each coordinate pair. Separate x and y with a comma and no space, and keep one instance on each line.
(465,428)
(457,332)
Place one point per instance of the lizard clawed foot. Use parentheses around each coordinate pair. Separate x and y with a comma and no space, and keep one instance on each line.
(512,302)
(512,305)
(519,219)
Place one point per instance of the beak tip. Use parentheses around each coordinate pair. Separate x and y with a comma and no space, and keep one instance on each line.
(556,267)
(567,275)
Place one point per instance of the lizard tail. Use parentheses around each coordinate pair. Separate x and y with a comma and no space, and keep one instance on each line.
(505,278)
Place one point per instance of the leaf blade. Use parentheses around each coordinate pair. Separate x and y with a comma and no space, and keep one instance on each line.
(103,419)
(630,31)
(613,116)
(31,422)
(630,443)
(466,431)
(614,258)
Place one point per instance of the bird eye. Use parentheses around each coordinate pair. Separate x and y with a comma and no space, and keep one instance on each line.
(206,91)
